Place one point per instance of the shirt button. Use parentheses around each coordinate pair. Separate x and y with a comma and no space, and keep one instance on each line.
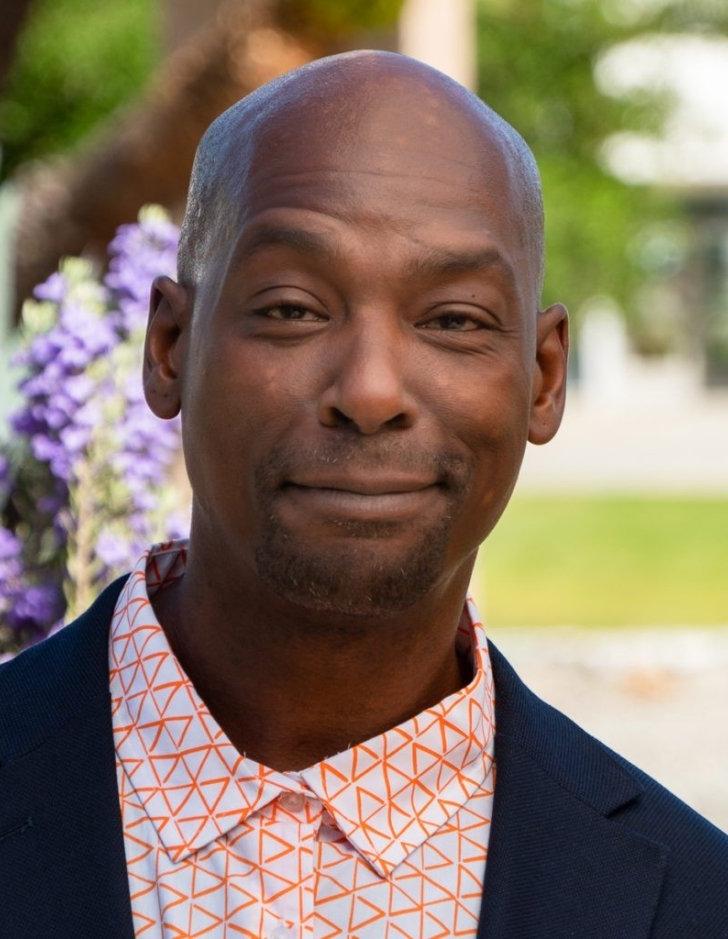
(292,801)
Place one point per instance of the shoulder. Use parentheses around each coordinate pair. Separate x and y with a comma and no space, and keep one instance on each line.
(695,892)
(43,685)
(694,896)
(653,810)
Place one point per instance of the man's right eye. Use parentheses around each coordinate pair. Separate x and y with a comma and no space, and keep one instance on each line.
(287,312)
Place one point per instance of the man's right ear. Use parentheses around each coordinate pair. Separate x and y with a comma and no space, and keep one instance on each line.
(164,346)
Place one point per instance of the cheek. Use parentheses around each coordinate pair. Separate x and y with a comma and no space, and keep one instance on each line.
(485,402)
(487,412)
(231,407)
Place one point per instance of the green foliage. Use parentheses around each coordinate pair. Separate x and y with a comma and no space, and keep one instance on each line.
(76,61)
(536,68)
(336,24)
(592,222)
(606,560)
(349,14)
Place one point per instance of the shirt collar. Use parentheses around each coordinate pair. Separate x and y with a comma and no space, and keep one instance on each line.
(192,782)
(387,794)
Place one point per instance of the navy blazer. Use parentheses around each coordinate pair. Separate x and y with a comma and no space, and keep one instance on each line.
(583,844)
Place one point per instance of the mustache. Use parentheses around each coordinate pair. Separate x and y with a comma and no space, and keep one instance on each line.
(450,469)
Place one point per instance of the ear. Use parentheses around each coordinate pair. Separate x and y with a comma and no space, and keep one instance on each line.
(549,381)
(167,334)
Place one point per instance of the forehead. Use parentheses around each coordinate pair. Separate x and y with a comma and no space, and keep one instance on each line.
(405,160)
(427,191)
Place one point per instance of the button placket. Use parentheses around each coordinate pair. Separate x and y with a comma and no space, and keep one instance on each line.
(297,821)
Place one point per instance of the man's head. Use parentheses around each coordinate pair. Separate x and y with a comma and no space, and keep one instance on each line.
(355,342)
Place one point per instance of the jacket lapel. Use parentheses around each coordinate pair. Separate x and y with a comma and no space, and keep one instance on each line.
(559,861)
(62,862)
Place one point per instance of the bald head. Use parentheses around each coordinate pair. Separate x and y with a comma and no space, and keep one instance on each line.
(368,111)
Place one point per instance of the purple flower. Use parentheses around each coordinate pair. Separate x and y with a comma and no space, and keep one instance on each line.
(4,471)
(10,546)
(34,607)
(139,253)
(11,572)
(113,550)
(82,384)
(52,289)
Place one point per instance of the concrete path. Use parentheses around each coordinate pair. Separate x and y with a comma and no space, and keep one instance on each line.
(675,443)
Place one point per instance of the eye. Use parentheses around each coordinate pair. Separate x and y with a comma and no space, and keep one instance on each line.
(288,312)
(454,322)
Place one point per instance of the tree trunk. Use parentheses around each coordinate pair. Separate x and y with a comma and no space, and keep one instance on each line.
(14,15)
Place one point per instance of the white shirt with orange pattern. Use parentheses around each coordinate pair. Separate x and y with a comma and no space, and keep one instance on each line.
(386,839)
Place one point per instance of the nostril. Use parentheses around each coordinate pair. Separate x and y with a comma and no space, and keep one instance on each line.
(398,421)
(337,418)
(341,419)
(331,416)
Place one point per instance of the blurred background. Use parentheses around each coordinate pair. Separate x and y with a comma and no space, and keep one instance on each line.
(606,582)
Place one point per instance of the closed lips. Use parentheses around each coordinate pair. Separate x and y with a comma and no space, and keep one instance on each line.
(377,486)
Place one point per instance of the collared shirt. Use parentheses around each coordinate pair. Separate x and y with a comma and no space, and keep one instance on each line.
(386,839)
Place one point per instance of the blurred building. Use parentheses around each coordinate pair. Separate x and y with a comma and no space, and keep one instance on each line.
(690,159)
(659,422)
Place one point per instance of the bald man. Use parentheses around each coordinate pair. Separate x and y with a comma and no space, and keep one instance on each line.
(294,724)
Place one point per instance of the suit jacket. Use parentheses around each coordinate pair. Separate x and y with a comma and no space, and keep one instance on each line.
(582,843)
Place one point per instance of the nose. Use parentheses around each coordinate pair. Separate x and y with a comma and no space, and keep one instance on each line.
(367,389)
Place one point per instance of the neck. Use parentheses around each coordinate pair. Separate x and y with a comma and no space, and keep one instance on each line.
(290,687)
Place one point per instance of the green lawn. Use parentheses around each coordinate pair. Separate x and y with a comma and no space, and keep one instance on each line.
(606,560)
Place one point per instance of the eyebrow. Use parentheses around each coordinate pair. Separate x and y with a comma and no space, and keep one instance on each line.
(306,242)
(443,262)
(433,263)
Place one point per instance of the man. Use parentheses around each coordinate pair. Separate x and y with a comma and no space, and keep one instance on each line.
(294,725)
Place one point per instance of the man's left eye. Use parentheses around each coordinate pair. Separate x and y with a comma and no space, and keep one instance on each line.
(453,322)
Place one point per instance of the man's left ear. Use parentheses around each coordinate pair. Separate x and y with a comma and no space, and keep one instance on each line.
(166,339)
(549,380)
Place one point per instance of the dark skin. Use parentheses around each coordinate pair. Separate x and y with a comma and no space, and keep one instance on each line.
(358,372)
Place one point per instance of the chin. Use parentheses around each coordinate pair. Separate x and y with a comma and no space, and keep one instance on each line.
(352,580)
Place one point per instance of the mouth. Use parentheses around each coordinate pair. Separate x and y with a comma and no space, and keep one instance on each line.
(370,484)
(371,498)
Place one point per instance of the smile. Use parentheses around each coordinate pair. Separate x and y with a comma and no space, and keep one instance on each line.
(365,500)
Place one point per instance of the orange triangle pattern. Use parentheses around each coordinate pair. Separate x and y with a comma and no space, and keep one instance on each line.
(387,840)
